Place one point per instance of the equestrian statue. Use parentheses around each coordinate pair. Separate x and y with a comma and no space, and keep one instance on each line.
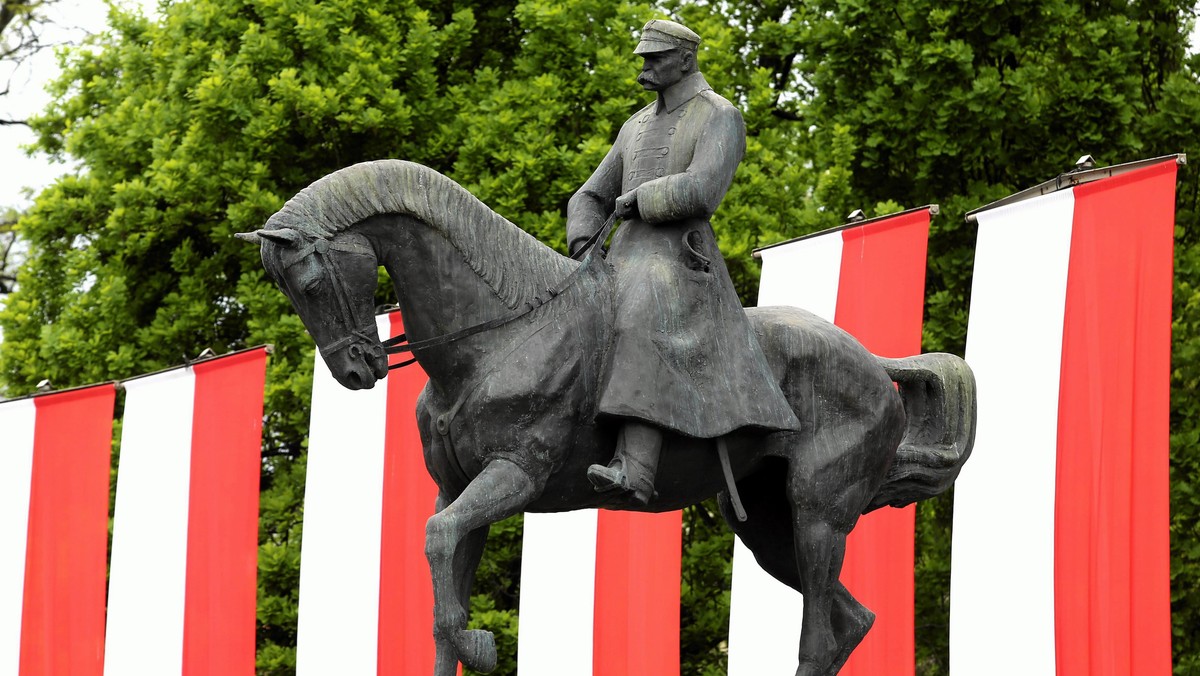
(631,379)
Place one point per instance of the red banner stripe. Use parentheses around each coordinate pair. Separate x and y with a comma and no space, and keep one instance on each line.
(881,292)
(405,588)
(62,627)
(638,565)
(1111,549)
(881,299)
(222,548)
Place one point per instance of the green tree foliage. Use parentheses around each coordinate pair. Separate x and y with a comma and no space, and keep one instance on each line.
(203,123)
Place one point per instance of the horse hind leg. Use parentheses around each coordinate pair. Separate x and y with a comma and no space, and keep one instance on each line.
(851,622)
(780,536)
(848,621)
(819,561)
(453,543)
(802,550)
(767,532)
(831,618)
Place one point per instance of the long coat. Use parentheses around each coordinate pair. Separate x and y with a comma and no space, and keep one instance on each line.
(685,358)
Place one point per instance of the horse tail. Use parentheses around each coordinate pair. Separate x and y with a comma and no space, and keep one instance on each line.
(938,391)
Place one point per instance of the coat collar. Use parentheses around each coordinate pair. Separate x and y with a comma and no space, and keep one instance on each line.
(681,92)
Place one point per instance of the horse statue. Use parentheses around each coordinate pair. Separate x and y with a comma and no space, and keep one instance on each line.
(514,338)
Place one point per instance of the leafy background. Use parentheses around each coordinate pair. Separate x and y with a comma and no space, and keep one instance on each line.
(200,123)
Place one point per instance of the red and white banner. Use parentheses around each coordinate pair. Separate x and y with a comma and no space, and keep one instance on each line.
(1061,552)
(181,596)
(870,280)
(55,449)
(600,594)
(366,599)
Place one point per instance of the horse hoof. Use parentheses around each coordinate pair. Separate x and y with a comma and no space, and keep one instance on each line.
(476,649)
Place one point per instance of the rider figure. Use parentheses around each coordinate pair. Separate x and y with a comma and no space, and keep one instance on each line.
(685,359)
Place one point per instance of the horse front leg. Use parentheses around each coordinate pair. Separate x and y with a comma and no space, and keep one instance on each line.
(453,543)
(467,558)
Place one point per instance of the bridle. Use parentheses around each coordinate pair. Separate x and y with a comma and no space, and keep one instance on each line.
(400,344)
(321,248)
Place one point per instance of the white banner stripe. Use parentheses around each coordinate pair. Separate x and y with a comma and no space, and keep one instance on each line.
(803,274)
(17,423)
(148,573)
(558,581)
(764,619)
(1002,584)
(765,614)
(343,514)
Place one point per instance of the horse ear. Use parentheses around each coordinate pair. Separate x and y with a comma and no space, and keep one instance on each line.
(281,236)
(251,237)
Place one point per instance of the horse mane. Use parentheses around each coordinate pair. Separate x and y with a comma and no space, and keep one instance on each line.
(514,264)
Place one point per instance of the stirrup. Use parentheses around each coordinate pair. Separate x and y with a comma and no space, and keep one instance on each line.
(605,479)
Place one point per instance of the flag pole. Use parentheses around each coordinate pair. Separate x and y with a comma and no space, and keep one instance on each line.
(854,221)
(206,355)
(1074,178)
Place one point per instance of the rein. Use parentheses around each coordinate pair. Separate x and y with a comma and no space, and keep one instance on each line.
(400,344)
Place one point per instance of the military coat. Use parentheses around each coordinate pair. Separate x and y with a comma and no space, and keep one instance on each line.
(685,357)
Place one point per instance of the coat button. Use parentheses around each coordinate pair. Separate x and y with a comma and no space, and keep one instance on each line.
(665,151)
(671,131)
(659,171)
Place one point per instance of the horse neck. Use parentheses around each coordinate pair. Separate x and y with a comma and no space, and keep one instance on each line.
(441,289)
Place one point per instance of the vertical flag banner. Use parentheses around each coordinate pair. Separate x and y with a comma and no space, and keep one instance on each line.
(600,594)
(182,589)
(638,566)
(54,531)
(366,598)
(558,587)
(869,279)
(1061,517)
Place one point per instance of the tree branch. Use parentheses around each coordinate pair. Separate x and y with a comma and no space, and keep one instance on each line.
(29,46)
(7,14)
(20,22)
(11,123)
(785,115)
(8,241)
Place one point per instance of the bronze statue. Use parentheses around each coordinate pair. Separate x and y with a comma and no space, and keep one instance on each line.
(519,343)
(684,357)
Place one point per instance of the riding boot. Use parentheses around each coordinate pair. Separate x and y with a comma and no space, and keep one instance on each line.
(633,465)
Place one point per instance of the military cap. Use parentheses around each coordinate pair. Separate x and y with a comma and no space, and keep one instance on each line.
(659,35)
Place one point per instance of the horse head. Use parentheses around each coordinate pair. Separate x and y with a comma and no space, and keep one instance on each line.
(453,262)
(330,280)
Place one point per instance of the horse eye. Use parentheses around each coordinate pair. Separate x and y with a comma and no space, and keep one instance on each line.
(312,286)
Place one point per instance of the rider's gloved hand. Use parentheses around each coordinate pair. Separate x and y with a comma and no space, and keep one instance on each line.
(627,205)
